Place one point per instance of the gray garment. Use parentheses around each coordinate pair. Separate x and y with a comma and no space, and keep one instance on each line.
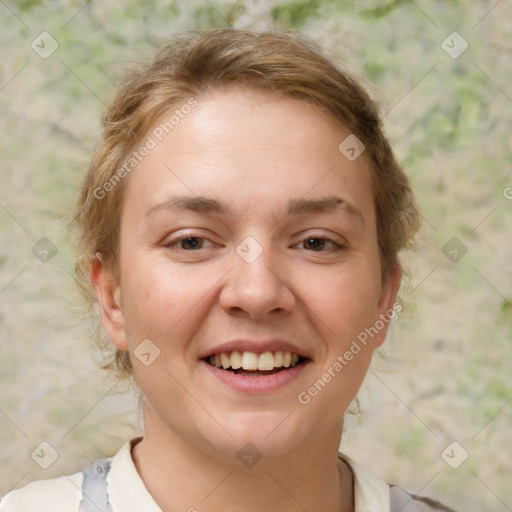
(95,494)
(94,487)
(401,501)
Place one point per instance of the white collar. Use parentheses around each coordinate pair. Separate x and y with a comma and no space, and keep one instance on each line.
(126,488)
(370,493)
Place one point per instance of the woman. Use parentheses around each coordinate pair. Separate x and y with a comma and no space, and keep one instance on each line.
(241,225)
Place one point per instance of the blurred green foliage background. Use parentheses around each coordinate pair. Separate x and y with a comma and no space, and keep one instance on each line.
(443,376)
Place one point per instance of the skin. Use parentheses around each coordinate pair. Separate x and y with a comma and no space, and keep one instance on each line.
(254,151)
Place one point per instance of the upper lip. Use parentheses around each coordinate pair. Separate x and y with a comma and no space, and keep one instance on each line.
(258,347)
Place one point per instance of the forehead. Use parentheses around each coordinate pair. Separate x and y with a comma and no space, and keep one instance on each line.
(250,147)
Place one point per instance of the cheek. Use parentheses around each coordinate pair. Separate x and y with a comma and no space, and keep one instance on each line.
(160,300)
(348,302)
(344,313)
(164,307)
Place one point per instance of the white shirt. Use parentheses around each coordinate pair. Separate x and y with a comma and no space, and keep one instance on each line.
(127,492)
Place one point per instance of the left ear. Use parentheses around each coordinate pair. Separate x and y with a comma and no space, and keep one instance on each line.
(386,302)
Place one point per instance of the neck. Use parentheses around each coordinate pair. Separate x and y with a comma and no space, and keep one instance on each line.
(181,476)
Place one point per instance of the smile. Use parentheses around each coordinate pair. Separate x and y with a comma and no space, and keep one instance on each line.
(255,365)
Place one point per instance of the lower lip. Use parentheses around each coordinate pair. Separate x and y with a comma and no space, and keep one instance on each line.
(261,384)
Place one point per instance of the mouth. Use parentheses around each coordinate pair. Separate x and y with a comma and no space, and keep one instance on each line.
(252,364)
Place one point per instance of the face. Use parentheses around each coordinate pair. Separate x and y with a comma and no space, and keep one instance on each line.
(246,235)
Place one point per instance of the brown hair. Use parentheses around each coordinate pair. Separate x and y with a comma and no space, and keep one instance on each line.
(196,62)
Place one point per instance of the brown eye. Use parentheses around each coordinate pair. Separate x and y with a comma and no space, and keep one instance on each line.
(315,244)
(320,244)
(188,243)
(191,243)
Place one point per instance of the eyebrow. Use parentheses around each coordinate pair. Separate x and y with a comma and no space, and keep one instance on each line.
(295,206)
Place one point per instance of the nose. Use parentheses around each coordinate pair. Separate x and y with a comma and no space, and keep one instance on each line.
(257,284)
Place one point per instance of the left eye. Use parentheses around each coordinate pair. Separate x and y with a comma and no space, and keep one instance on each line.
(319,244)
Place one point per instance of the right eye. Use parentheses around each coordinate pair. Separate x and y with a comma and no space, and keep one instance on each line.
(187,243)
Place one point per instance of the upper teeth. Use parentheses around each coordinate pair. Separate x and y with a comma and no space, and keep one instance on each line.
(253,361)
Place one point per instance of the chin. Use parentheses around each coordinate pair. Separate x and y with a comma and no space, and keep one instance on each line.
(260,435)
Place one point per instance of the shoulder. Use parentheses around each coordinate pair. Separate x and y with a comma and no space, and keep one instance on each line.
(61,494)
(375,495)
(106,484)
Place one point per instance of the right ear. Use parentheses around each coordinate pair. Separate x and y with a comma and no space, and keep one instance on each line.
(108,292)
